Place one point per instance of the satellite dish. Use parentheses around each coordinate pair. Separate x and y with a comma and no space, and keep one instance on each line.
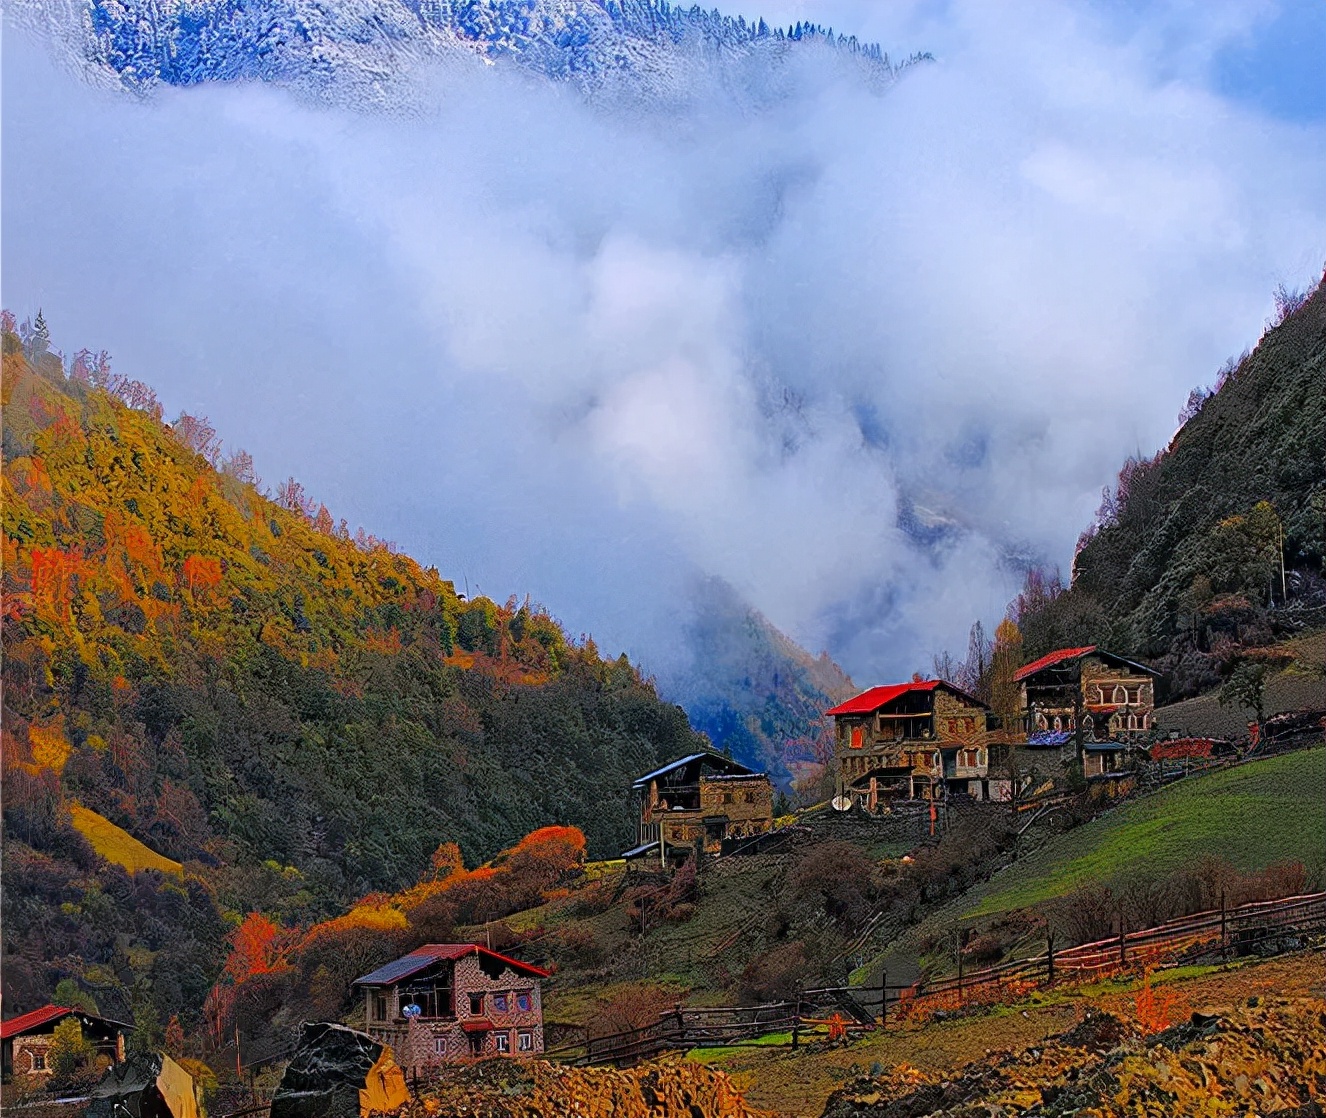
(842,803)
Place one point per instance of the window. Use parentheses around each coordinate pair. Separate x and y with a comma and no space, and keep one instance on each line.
(476,1004)
(523,1001)
(525,1040)
(379,1005)
(476,1043)
(38,1060)
(427,1001)
(503,1040)
(440,1045)
(727,797)
(499,1003)
(750,797)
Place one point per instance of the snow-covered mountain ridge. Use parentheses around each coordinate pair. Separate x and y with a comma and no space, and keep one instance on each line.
(361,49)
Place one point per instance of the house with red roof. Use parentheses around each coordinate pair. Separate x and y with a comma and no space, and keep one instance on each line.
(25,1040)
(1113,698)
(920,740)
(451,1001)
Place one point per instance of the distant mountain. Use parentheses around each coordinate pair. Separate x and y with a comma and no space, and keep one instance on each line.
(751,688)
(363,48)
(1214,546)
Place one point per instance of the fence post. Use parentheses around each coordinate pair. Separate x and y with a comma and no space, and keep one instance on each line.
(1049,959)
(1123,950)
(957,939)
(883,998)
(1223,940)
(796,1022)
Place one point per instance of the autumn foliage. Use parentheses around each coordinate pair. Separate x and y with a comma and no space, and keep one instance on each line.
(1157,1009)
(310,970)
(290,711)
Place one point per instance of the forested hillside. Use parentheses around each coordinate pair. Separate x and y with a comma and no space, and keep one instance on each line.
(752,689)
(1183,566)
(295,715)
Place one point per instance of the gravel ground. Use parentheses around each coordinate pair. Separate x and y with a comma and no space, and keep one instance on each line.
(799,1084)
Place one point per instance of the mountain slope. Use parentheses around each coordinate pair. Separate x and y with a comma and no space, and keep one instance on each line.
(645,45)
(752,689)
(1184,564)
(296,717)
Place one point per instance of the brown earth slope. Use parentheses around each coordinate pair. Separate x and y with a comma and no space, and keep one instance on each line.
(1261,1057)
(800,1083)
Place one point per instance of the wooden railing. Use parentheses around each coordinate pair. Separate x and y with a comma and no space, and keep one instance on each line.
(1269,926)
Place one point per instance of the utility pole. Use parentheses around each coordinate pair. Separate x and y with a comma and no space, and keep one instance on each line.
(1280,529)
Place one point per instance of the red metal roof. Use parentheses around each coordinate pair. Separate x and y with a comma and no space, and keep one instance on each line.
(49,1014)
(477,1025)
(1050,659)
(870,701)
(22,1023)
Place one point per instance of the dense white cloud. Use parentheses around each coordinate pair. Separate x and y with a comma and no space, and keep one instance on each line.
(858,353)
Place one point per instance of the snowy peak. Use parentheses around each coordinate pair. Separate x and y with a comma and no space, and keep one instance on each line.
(362,49)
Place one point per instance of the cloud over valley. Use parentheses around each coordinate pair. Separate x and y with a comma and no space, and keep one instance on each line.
(862,350)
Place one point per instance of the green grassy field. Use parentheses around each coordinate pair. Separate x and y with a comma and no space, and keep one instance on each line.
(1254,815)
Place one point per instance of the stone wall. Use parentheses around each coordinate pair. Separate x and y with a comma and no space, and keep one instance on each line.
(433,1040)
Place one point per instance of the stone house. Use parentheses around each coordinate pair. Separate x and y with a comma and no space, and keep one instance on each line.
(449,1001)
(1114,697)
(25,1040)
(701,801)
(920,740)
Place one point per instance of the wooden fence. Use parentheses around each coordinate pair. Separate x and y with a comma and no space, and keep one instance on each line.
(1265,926)
(1268,926)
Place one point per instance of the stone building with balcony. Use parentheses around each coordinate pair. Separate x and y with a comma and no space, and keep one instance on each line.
(1112,697)
(450,1001)
(926,740)
(699,802)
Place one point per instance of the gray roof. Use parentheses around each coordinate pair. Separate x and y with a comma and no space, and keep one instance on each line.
(430,953)
(732,766)
(644,847)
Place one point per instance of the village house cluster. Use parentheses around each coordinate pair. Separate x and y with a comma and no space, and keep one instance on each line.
(929,739)
(924,740)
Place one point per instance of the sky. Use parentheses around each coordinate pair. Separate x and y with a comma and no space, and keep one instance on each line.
(864,354)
